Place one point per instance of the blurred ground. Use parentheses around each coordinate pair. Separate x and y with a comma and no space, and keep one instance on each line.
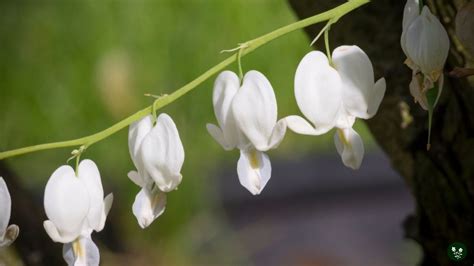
(317,212)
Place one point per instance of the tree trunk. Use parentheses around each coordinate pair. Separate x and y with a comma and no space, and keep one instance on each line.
(442,179)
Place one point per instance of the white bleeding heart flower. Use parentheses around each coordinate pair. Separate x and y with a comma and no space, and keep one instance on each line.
(425,43)
(247,118)
(8,233)
(334,96)
(75,207)
(158,155)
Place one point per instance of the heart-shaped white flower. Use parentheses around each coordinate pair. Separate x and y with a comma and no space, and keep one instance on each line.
(334,96)
(75,206)
(247,118)
(158,155)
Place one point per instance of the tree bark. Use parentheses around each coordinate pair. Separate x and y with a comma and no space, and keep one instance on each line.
(442,179)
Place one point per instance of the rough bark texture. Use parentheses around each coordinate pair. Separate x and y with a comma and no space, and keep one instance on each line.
(442,179)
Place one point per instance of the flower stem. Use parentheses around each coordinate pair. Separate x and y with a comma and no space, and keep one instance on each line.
(165,100)
(239,64)
(78,158)
(326,43)
(323,30)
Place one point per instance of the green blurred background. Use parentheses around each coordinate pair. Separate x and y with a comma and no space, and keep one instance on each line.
(72,68)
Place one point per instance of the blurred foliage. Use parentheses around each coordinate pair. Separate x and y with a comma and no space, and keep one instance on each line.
(72,68)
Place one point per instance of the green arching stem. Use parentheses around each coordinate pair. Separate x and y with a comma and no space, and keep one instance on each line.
(165,100)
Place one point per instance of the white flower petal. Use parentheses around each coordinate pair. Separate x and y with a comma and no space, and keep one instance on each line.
(82,252)
(410,13)
(136,178)
(357,75)
(218,136)
(350,147)
(148,206)
(427,43)
(344,120)
(278,134)
(109,199)
(254,170)
(318,90)
(225,88)
(163,154)
(376,97)
(255,109)
(5,207)
(68,254)
(9,235)
(136,133)
(299,125)
(89,174)
(54,234)
(66,202)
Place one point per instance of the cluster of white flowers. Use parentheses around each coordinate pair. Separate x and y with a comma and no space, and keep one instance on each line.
(74,199)
(329,94)
(425,42)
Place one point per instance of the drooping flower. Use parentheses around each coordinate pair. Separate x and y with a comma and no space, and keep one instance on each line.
(247,118)
(425,42)
(75,207)
(8,233)
(427,45)
(158,155)
(334,96)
